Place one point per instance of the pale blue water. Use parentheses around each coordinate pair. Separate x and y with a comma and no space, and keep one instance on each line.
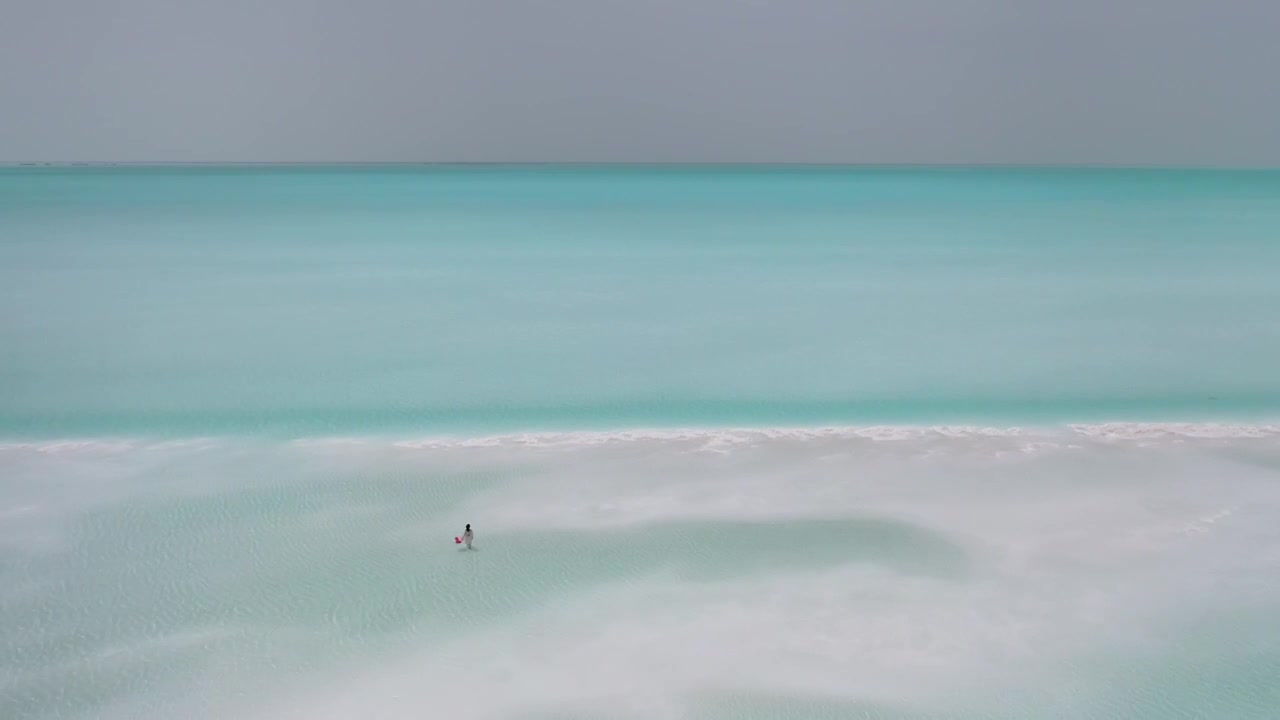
(737,443)
(357,300)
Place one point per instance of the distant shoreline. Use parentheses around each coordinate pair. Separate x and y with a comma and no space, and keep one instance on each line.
(1171,431)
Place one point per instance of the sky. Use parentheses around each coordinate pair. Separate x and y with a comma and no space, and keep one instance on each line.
(1113,82)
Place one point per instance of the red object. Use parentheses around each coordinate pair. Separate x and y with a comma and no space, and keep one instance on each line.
(457,541)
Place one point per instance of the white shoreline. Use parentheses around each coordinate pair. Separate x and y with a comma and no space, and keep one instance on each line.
(724,435)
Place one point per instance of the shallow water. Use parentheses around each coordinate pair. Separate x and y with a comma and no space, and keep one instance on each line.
(1008,445)
(886,573)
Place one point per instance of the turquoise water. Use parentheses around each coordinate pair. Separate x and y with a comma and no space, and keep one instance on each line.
(305,301)
(749,443)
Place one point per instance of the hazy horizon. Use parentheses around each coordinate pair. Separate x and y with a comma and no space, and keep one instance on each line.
(1186,83)
(635,164)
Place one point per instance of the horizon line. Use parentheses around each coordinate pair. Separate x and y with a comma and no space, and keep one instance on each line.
(673,164)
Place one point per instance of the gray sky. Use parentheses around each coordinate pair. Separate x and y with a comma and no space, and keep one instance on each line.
(886,81)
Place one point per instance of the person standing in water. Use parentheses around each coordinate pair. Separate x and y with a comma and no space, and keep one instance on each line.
(467,536)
